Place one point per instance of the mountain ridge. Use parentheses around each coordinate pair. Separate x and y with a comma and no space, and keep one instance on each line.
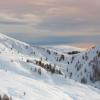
(49,67)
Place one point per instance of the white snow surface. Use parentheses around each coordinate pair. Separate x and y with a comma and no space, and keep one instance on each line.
(20,80)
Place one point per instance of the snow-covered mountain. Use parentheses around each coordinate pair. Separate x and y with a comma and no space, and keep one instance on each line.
(42,73)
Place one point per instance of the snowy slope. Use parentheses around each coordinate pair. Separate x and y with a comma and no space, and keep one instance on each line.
(16,85)
(43,73)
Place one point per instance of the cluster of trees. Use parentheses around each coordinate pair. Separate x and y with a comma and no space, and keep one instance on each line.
(98,53)
(95,63)
(96,68)
(70,74)
(85,57)
(29,61)
(72,59)
(84,80)
(26,47)
(61,58)
(49,67)
(55,53)
(73,52)
(5,97)
(38,70)
(78,66)
(48,51)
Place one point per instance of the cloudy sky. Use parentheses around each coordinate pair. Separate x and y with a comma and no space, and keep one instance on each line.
(49,18)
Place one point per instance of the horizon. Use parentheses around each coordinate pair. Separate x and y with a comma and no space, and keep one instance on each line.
(85,41)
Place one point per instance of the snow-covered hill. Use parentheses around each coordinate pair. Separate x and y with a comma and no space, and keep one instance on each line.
(43,73)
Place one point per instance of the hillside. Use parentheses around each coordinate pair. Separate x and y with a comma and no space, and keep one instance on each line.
(36,72)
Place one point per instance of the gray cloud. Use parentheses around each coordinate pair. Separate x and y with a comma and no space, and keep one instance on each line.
(63,24)
(12,23)
(44,18)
